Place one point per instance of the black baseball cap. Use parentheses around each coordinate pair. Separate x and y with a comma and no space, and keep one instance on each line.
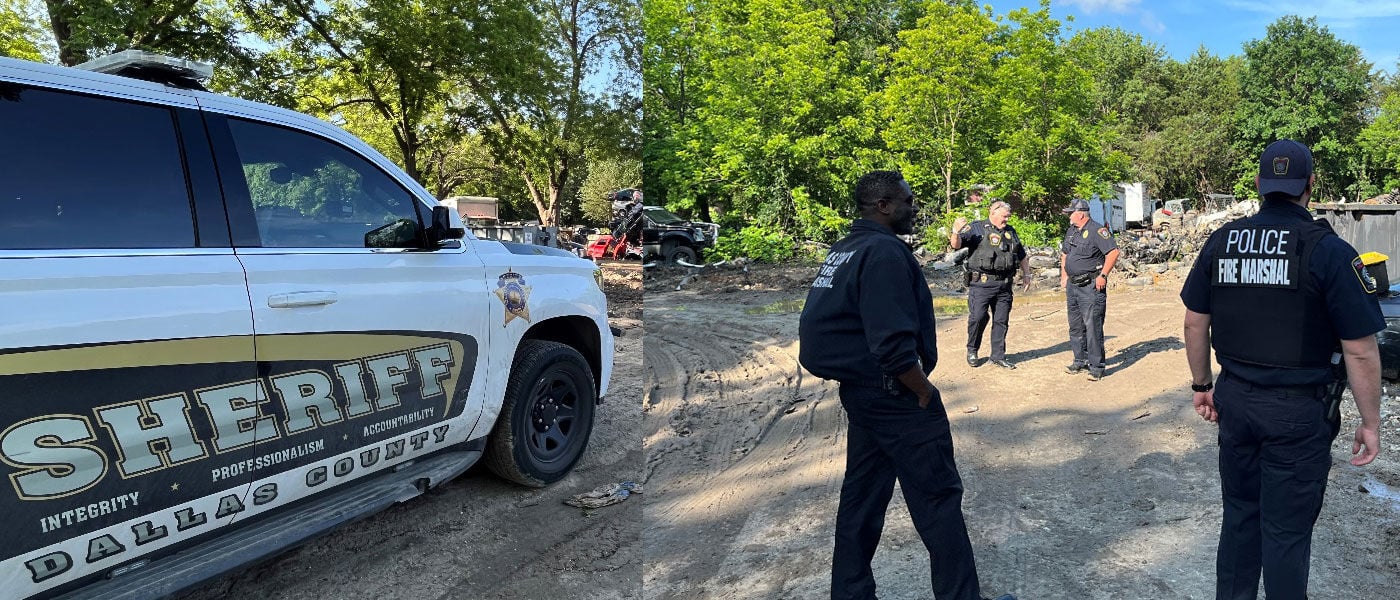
(1286,166)
(1077,204)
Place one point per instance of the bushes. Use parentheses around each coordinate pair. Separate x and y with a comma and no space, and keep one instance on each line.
(935,235)
(817,225)
(757,242)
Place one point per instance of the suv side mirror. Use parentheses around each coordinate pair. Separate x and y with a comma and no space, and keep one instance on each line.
(447,225)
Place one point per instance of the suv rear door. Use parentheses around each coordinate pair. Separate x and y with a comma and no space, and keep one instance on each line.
(121,298)
(368,344)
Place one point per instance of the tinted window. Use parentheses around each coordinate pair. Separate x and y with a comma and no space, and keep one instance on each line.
(662,216)
(310,193)
(84,172)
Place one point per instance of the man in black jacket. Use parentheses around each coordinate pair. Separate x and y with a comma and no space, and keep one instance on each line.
(868,323)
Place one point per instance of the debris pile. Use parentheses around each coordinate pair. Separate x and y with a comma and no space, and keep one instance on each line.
(1153,253)
(1391,197)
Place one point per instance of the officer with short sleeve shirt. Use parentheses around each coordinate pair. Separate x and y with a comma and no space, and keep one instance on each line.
(868,324)
(1276,294)
(1088,254)
(996,253)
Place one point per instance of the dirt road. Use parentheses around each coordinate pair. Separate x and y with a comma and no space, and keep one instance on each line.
(480,538)
(1075,489)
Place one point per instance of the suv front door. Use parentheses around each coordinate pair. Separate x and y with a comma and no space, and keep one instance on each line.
(367,343)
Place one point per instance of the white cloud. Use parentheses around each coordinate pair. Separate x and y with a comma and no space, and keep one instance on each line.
(1093,6)
(1151,23)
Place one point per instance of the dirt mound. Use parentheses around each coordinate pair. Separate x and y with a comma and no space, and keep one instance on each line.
(622,284)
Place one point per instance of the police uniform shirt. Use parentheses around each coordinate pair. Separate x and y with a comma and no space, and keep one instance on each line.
(1085,247)
(978,232)
(1353,311)
(869,312)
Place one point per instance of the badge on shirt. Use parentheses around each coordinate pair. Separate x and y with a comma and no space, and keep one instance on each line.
(1103,232)
(1086,234)
(1368,282)
(995,239)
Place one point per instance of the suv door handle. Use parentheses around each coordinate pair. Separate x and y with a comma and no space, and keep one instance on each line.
(296,299)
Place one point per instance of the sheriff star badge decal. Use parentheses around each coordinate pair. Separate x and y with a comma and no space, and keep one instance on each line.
(514,294)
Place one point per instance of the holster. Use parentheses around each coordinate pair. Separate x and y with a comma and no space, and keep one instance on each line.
(1083,279)
(1334,395)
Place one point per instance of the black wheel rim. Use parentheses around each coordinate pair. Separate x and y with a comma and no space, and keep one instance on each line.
(554,417)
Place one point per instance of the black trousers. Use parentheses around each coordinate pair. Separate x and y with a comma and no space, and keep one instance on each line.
(1275,452)
(1086,307)
(891,438)
(990,301)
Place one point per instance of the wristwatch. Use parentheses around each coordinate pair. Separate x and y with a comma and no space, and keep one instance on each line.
(1105,277)
(1205,387)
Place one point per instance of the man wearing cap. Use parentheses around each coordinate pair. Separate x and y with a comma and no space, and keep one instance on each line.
(1275,294)
(1088,255)
(996,252)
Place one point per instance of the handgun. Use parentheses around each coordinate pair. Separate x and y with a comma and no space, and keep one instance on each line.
(1334,394)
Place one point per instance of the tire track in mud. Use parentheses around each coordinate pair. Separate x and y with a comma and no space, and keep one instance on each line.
(731,423)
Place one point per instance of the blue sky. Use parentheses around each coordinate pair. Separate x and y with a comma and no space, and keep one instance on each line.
(1223,26)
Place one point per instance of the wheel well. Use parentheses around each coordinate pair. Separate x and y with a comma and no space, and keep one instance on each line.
(577,332)
(679,238)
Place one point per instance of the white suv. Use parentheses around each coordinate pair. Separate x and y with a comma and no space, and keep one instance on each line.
(227,327)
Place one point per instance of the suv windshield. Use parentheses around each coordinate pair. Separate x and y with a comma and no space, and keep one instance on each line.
(661,216)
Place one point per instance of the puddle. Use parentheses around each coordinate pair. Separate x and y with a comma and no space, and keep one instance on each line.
(778,308)
(1383,492)
(950,305)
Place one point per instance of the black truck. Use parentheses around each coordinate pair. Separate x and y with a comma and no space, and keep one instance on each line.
(673,239)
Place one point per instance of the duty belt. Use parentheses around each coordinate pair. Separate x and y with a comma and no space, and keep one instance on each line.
(1315,391)
(980,277)
(1087,277)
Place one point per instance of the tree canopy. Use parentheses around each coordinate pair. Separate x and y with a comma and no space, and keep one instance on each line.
(503,98)
(762,114)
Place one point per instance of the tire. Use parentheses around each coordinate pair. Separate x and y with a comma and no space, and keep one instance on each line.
(673,252)
(546,416)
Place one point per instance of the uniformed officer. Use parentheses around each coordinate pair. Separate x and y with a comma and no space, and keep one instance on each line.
(1088,255)
(868,323)
(1273,294)
(996,252)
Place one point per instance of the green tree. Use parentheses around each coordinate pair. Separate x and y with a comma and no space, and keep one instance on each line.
(19,33)
(778,109)
(1051,145)
(936,98)
(671,73)
(1301,82)
(541,127)
(1132,80)
(606,174)
(1132,96)
(196,29)
(1194,153)
(386,69)
(1380,139)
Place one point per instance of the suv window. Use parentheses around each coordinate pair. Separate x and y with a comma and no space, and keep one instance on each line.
(661,216)
(84,172)
(310,193)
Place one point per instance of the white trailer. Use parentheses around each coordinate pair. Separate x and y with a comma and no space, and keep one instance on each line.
(1137,207)
(1108,211)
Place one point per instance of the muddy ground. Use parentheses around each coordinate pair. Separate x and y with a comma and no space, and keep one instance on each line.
(478,537)
(1075,489)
